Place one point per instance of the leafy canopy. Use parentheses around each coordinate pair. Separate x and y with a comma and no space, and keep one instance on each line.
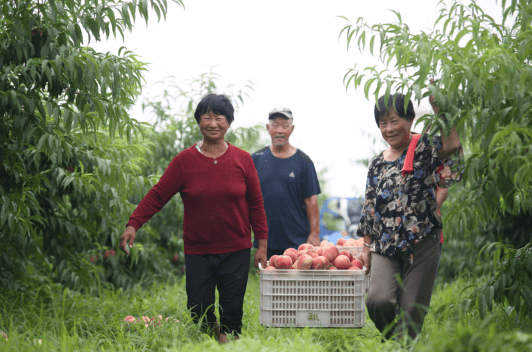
(66,158)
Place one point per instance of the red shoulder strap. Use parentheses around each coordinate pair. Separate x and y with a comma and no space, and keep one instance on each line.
(408,165)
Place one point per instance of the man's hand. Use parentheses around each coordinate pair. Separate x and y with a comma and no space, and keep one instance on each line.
(260,255)
(314,239)
(128,236)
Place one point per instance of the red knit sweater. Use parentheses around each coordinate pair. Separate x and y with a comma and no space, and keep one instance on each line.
(222,198)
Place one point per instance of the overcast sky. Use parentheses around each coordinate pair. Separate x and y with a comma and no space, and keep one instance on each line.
(291,51)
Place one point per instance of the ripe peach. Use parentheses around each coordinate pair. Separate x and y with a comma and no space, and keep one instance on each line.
(313,254)
(331,253)
(300,252)
(305,246)
(319,250)
(320,263)
(342,262)
(347,254)
(272,260)
(283,262)
(349,242)
(332,268)
(353,268)
(340,241)
(270,268)
(304,262)
(129,319)
(357,263)
(291,254)
(158,320)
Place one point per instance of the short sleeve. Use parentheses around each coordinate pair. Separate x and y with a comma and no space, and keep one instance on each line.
(310,185)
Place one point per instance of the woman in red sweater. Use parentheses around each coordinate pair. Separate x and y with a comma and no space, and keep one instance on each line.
(221,194)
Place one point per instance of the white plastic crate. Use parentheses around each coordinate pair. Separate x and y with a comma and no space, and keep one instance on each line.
(312,298)
(355,252)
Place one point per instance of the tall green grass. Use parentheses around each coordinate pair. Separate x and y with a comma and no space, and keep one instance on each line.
(69,321)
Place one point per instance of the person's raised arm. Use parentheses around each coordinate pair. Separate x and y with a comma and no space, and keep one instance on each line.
(441,196)
(451,143)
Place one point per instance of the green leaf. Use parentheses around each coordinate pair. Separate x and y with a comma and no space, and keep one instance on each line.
(465,305)
(482,306)
(42,140)
(3,214)
(526,293)
(491,295)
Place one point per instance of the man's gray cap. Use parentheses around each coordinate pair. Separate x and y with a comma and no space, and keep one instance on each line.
(280,110)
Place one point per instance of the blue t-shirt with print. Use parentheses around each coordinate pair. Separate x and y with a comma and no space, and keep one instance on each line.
(285,184)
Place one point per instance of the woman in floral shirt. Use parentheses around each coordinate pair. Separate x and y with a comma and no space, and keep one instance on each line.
(400,222)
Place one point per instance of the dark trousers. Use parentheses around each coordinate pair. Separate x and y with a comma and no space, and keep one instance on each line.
(411,293)
(229,273)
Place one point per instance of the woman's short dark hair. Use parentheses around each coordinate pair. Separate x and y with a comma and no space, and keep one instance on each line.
(381,110)
(216,103)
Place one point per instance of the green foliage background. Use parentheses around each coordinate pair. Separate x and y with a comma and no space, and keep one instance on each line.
(73,163)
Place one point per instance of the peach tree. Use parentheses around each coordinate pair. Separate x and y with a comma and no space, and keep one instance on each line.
(482,82)
(67,158)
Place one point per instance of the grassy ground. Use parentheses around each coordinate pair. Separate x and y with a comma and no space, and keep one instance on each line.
(73,322)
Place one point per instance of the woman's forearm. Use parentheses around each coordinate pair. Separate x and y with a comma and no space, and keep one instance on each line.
(450,144)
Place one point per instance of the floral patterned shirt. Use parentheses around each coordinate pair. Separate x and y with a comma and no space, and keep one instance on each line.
(401,210)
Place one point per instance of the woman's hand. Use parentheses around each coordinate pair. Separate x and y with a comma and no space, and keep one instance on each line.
(365,258)
(128,236)
(260,255)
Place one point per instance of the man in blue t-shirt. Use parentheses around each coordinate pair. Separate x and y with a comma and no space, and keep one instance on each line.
(289,187)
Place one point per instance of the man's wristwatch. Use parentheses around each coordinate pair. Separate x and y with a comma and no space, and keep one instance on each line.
(367,245)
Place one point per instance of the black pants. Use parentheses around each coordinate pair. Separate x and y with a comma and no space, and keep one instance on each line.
(229,273)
